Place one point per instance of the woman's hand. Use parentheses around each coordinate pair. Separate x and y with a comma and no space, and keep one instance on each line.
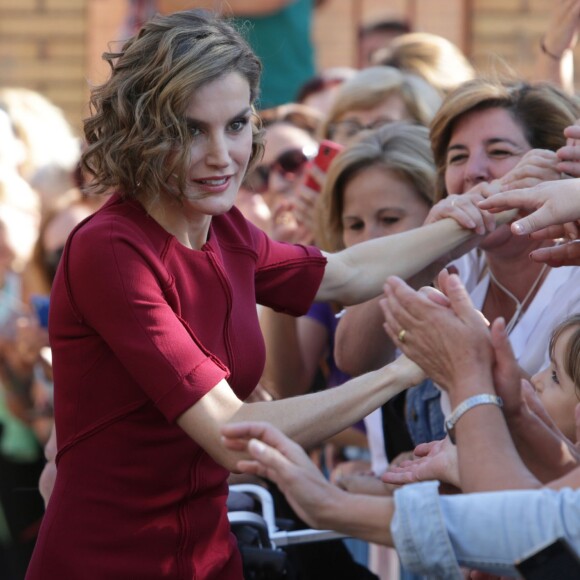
(285,226)
(450,343)
(433,460)
(464,209)
(554,207)
(284,462)
(569,155)
(305,209)
(364,483)
(534,167)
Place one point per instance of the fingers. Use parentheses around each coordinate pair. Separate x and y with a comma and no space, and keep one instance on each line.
(424,449)
(538,220)
(536,166)
(238,436)
(566,254)
(507,373)
(436,296)
(515,198)
(459,299)
(550,233)
(463,209)
(397,477)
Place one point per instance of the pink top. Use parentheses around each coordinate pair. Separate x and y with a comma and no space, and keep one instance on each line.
(141,328)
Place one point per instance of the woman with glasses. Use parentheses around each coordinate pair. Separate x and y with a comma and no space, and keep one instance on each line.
(278,178)
(376,96)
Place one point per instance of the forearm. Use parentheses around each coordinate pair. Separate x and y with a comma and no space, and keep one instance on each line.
(361,343)
(358,273)
(285,370)
(313,418)
(488,459)
(361,516)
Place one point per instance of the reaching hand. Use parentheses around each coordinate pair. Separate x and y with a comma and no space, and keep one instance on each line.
(278,458)
(534,167)
(434,460)
(555,207)
(569,155)
(507,375)
(464,209)
(450,343)
(285,226)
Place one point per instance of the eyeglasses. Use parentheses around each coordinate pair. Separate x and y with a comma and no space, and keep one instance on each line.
(289,165)
(344,130)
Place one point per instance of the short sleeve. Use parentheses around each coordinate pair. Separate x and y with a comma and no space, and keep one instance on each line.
(287,275)
(119,288)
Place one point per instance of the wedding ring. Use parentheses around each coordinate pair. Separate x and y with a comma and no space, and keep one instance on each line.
(401,335)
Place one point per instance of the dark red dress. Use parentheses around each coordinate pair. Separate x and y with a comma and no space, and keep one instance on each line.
(141,328)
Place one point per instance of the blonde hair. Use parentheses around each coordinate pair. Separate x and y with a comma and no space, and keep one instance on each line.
(137,137)
(400,147)
(541,110)
(432,57)
(52,149)
(371,86)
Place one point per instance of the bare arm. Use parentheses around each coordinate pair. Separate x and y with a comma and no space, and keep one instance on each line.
(358,273)
(294,347)
(308,419)
(361,344)
(556,59)
(315,500)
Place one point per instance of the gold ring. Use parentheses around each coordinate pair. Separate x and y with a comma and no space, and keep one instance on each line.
(401,335)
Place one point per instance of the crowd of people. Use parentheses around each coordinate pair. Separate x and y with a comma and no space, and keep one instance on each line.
(388,337)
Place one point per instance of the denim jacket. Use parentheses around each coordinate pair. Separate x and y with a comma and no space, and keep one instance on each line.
(436,534)
(423,413)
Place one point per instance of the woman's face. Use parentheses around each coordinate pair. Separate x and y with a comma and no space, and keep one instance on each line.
(557,390)
(218,118)
(284,140)
(484,146)
(379,203)
(352,124)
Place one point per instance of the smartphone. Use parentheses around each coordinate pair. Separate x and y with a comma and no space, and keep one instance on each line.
(40,304)
(327,151)
(555,561)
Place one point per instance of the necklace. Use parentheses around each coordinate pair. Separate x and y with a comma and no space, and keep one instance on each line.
(520,305)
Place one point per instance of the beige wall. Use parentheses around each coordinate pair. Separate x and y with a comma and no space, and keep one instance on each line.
(54,46)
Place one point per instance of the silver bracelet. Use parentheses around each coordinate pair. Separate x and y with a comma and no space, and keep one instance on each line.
(462,408)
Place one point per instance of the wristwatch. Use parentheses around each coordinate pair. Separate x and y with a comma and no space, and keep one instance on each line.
(462,408)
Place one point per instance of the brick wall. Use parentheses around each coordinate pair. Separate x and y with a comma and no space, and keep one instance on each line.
(43,47)
(54,46)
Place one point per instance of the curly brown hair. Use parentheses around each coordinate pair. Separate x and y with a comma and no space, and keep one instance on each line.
(137,138)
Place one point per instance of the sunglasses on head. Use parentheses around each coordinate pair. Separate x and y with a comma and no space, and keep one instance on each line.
(289,165)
